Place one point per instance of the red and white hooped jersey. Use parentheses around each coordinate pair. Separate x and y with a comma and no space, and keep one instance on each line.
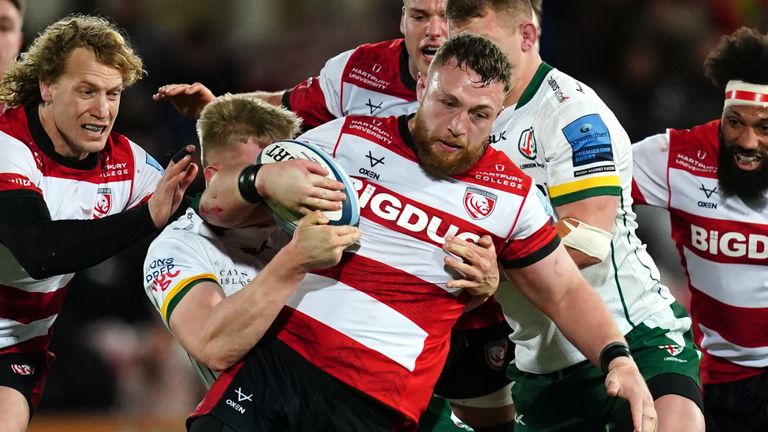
(119,177)
(372,79)
(723,245)
(381,320)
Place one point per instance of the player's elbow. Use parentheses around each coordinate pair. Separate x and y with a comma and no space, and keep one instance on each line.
(36,266)
(218,359)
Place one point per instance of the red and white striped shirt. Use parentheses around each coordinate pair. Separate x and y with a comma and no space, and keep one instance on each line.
(122,176)
(723,245)
(372,79)
(381,320)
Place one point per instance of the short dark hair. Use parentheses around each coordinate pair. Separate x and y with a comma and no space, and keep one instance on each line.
(464,10)
(742,55)
(478,54)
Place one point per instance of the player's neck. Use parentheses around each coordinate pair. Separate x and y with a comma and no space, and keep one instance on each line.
(521,81)
(45,111)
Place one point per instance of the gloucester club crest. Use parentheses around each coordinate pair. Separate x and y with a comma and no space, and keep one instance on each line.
(479,203)
(103,203)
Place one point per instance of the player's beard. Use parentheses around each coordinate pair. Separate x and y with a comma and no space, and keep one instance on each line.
(439,163)
(750,186)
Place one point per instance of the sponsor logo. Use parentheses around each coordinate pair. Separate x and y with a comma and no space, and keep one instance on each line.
(241,396)
(479,203)
(558,91)
(116,169)
(233,277)
(278,154)
(579,88)
(694,165)
(672,349)
(593,170)
(526,144)
(519,419)
(731,244)
(373,107)
(19,180)
(367,78)
(22,369)
(496,354)
(493,139)
(103,203)
(373,160)
(376,68)
(708,193)
(590,140)
(160,273)
(407,216)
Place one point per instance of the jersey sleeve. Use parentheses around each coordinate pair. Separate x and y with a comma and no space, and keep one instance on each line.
(649,175)
(147,174)
(18,170)
(318,100)
(583,142)
(534,235)
(174,264)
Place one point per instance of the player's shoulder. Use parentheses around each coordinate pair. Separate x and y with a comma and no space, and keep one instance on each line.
(696,148)
(496,170)
(560,93)
(187,230)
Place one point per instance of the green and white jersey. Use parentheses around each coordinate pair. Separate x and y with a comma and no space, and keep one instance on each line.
(565,137)
(190,251)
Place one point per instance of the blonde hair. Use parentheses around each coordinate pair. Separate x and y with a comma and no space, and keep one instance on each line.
(46,59)
(233,119)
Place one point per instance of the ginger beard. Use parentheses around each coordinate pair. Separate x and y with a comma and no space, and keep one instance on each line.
(750,186)
(436,161)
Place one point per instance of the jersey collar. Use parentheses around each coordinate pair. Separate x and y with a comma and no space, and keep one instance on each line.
(533,86)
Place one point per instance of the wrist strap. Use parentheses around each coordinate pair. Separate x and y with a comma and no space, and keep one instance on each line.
(246,184)
(610,352)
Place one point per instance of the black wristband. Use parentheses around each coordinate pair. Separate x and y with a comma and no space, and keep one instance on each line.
(246,184)
(610,352)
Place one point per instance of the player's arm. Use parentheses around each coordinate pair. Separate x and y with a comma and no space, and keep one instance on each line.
(218,330)
(299,185)
(46,247)
(555,286)
(650,158)
(586,227)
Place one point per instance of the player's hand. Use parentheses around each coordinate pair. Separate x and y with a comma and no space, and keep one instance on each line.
(188,99)
(300,186)
(171,187)
(479,265)
(319,245)
(625,381)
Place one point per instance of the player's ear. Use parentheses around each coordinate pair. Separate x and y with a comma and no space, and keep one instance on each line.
(530,35)
(402,21)
(45,90)
(209,172)
(421,85)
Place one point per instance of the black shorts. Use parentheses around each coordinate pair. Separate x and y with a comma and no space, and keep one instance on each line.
(477,362)
(737,406)
(273,388)
(26,372)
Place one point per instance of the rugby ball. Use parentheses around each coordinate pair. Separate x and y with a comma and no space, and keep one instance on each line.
(285,150)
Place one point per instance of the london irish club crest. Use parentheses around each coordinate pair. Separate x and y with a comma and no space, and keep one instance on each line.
(526,144)
(479,203)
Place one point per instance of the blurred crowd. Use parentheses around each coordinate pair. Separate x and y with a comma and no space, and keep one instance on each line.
(644,58)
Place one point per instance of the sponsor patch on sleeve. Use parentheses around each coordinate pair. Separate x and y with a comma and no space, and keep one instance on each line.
(590,140)
(153,163)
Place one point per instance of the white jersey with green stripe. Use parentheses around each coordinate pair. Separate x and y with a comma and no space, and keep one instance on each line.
(565,137)
(190,251)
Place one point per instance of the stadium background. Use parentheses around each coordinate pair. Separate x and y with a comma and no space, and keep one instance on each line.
(118,369)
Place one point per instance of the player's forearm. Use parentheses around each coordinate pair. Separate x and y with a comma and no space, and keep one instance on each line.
(555,286)
(238,322)
(581,315)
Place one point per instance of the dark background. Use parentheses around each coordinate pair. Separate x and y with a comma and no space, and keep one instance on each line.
(643,57)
